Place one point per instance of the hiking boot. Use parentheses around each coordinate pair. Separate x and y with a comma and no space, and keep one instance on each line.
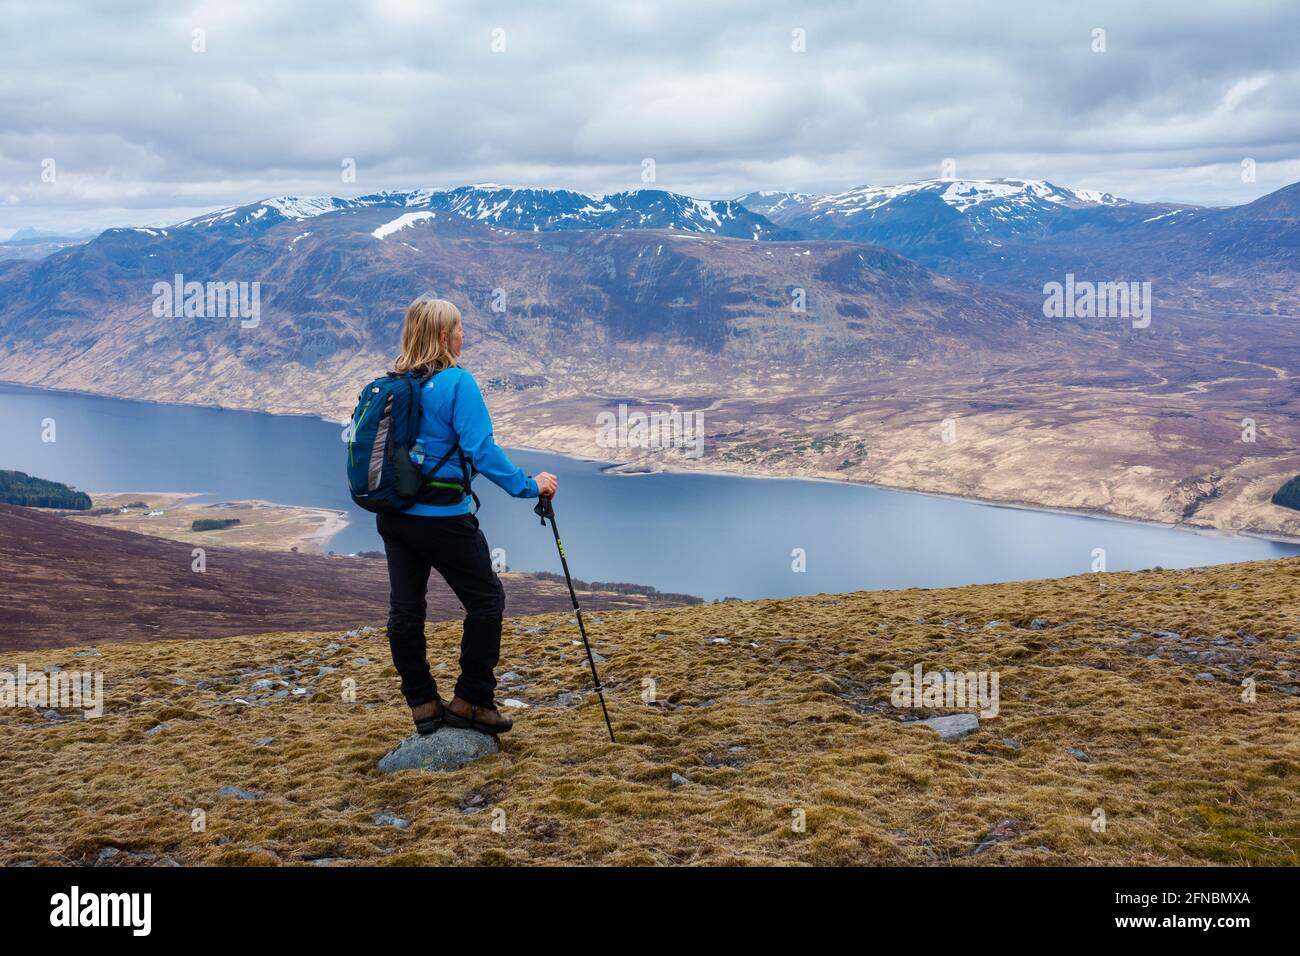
(460,713)
(429,716)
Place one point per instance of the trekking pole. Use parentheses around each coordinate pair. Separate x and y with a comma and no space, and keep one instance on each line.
(544,509)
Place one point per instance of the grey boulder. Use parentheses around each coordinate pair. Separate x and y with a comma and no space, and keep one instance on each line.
(951,726)
(448,749)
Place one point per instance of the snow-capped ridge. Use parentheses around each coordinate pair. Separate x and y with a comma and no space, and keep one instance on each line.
(963,195)
(523,209)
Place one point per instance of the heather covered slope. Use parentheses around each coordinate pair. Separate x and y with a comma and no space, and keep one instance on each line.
(67,582)
(1119,692)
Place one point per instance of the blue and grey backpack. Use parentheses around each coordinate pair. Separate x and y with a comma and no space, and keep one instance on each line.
(383,475)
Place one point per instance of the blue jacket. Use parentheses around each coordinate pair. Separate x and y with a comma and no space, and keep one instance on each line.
(453,408)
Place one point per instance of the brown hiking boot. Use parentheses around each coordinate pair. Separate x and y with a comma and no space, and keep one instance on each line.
(488,720)
(428,716)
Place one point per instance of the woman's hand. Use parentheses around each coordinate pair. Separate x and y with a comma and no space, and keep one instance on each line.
(546,483)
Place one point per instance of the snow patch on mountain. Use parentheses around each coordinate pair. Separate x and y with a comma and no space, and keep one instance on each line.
(402,222)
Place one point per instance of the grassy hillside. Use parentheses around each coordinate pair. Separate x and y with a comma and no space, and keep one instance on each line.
(1119,692)
(71,581)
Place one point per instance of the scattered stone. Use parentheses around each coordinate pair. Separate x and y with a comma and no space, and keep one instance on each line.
(737,749)
(106,854)
(223,840)
(570,698)
(718,640)
(1078,754)
(664,637)
(511,702)
(263,741)
(448,749)
(280,694)
(388,820)
(301,692)
(1038,623)
(264,684)
(331,647)
(598,657)
(951,726)
(1168,635)
(677,780)
(510,677)
(322,671)
(1205,675)
(90,652)
(239,793)
(361,660)
(155,729)
(1002,831)
(477,801)
(1012,743)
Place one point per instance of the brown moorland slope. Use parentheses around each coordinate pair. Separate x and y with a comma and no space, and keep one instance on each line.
(66,582)
(1122,694)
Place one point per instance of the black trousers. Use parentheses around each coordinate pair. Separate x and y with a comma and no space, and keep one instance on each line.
(454,547)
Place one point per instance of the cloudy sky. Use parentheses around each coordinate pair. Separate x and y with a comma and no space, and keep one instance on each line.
(143,128)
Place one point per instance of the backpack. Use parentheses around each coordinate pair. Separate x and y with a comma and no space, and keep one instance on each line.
(382,476)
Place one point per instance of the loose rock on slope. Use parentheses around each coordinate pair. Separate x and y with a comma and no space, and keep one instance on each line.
(448,749)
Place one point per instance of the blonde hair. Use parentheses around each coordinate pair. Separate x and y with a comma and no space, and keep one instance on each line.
(426,336)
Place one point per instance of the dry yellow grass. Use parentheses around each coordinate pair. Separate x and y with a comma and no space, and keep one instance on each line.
(1186,771)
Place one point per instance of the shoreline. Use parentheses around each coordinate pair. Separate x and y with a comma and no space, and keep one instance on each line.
(309,528)
(608,466)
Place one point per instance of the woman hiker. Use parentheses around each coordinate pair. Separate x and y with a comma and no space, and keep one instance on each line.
(439,532)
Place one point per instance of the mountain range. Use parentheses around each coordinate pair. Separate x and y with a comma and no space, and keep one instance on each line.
(806,326)
(1014,233)
(1022,233)
(27,243)
(528,210)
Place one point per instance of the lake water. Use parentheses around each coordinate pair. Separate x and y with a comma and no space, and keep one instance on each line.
(709,535)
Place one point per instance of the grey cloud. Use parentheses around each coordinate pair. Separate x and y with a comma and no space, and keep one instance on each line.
(144,130)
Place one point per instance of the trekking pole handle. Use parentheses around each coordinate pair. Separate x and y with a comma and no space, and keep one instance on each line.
(543,508)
